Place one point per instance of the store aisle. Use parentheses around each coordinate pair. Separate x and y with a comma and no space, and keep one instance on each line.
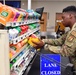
(35,68)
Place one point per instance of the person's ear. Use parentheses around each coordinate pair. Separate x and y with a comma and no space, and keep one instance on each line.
(71,16)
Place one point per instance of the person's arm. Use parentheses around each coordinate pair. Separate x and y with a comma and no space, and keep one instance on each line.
(55,42)
(67,49)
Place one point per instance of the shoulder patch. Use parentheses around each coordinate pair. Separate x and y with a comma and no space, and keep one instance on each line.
(73,33)
(70,38)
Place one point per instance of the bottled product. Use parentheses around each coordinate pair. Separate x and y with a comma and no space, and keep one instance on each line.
(33,37)
(24,29)
(11,65)
(5,14)
(14,60)
(13,33)
(16,32)
(20,54)
(16,47)
(13,52)
(25,16)
(23,42)
(13,73)
(15,14)
(20,17)
(18,29)
(10,55)
(30,14)
(32,26)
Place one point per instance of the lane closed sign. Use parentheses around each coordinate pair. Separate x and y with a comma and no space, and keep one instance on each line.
(50,64)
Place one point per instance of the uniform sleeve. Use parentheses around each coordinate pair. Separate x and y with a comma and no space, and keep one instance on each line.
(55,42)
(68,48)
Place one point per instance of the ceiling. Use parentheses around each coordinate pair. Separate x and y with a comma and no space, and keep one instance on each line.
(38,0)
(53,0)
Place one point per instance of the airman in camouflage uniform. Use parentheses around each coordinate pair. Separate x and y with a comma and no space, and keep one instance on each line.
(66,44)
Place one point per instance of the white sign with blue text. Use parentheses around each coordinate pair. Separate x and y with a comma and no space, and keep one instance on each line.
(50,64)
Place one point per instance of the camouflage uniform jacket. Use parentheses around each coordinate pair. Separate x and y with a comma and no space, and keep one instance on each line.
(65,45)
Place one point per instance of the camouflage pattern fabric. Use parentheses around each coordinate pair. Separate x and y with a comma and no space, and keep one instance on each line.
(65,45)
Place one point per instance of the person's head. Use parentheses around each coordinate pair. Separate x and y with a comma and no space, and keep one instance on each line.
(69,16)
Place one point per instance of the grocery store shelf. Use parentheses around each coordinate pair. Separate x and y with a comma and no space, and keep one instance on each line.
(18,52)
(20,60)
(27,63)
(33,31)
(20,38)
(21,72)
(16,59)
(13,24)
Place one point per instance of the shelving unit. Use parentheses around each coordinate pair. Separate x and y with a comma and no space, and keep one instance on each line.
(13,24)
(21,59)
(4,39)
(4,53)
(18,52)
(18,39)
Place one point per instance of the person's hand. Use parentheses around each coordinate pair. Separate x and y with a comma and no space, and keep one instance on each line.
(38,44)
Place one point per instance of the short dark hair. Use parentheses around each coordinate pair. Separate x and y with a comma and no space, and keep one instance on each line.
(70,9)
